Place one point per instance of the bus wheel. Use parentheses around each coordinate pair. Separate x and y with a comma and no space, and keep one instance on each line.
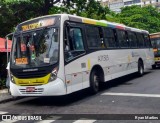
(94,82)
(154,66)
(140,68)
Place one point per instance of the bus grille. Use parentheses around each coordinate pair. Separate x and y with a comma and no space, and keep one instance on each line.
(30,84)
(36,91)
(32,74)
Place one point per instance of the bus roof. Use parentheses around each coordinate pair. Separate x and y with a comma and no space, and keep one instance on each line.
(104,23)
(157,33)
(94,22)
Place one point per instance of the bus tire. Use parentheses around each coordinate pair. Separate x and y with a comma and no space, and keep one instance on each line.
(140,68)
(94,82)
(154,66)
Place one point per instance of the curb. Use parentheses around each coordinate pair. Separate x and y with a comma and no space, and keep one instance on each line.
(4,91)
(8,97)
(7,100)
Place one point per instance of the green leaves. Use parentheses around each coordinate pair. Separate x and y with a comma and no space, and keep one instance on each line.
(13,13)
(91,9)
(146,18)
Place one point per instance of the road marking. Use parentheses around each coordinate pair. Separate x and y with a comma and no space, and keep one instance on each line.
(132,94)
(84,121)
(3,112)
(46,121)
(3,91)
(49,121)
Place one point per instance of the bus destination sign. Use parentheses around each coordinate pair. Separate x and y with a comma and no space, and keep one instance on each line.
(40,23)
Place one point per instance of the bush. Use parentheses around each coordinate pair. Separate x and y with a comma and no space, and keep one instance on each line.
(2,83)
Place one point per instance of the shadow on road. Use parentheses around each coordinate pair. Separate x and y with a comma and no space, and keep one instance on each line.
(125,80)
(79,96)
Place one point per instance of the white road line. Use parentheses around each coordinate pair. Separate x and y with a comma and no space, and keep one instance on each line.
(49,121)
(46,121)
(132,94)
(3,112)
(3,91)
(84,121)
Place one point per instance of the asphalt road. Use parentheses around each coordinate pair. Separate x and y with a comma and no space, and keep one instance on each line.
(123,100)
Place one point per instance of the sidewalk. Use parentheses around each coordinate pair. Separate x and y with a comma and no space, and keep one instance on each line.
(5,96)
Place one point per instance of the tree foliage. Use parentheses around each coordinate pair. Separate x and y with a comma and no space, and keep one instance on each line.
(12,13)
(146,18)
(90,9)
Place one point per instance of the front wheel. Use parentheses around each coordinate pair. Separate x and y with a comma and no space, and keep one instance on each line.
(140,68)
(94,82)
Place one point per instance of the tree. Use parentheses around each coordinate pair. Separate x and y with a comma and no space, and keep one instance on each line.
(12,13)
(146,18)
(91,9)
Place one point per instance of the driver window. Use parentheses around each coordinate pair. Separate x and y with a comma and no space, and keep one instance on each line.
(73,43)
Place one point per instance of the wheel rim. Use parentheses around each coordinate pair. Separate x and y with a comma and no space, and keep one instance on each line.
(141,70)
(96,82)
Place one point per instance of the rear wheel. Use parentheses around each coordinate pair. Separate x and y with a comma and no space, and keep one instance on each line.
(94,82)
(140,68)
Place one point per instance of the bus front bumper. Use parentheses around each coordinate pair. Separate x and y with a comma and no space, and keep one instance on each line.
(55,88)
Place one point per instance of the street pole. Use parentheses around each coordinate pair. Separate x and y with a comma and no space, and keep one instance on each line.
(6,37)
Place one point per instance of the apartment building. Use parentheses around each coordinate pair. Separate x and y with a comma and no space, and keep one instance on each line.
(116,5)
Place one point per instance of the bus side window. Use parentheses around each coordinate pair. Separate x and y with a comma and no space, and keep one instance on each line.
(93,37)
(147,40)
(66,40)
(109,38)
(122,39)
(132,39)
(140,40)
(74,43)
(101,37)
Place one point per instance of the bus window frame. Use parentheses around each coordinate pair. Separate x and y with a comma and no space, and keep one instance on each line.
(67,25)
(118,40)
(105,37)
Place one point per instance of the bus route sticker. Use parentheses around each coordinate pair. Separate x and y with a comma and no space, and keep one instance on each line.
(21,61)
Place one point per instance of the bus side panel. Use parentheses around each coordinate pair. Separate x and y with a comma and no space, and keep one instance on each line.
(115,63)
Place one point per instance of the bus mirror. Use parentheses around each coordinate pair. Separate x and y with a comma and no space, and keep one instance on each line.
(68,24)
(7,37)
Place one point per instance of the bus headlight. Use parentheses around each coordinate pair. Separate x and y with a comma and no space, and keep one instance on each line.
(53,74)
(12,78)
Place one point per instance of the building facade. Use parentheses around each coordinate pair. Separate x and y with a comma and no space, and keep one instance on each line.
(116,5)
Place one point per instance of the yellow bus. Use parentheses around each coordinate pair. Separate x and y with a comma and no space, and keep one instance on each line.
(155,40)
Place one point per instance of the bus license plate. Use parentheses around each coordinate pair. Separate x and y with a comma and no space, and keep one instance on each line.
(30,89)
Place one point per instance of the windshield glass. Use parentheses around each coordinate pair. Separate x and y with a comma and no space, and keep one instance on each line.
(156,42)
(156,45)
(36,48)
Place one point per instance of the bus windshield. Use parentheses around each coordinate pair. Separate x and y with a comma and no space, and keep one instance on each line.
(155,42)
(35,48)
(156,46)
